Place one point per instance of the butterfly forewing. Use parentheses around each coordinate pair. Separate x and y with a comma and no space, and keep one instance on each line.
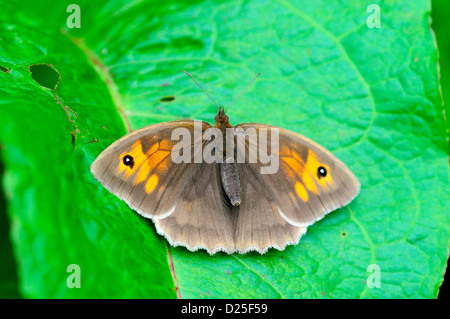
(152,183)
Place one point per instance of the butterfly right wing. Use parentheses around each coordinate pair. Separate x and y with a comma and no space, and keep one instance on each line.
(300,194)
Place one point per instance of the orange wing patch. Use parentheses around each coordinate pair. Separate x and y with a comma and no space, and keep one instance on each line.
(308,181)
(312,165)
(153,149)
(301,191)
(138,157)
(154,160)
(293,164)
(306,173)
(151,184)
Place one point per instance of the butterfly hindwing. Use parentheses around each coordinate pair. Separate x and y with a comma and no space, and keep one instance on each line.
(201,218)
(259,225)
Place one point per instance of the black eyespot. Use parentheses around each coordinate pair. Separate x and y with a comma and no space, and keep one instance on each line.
(128,161)
(321,172)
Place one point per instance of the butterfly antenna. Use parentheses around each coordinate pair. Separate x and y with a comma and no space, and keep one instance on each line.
(243,90)
(201,88)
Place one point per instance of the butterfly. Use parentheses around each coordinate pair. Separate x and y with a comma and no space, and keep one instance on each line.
(229,204)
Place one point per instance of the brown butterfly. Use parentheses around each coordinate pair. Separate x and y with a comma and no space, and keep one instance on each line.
(227,205)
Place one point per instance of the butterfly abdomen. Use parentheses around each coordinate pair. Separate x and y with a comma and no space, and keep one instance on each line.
(231,183)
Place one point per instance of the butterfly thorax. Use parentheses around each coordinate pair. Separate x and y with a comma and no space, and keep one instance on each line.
(229,174)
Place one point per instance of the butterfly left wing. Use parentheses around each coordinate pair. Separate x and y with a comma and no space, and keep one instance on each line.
(184,200)
(308,181)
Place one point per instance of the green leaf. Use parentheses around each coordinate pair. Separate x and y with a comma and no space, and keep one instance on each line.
(370,95)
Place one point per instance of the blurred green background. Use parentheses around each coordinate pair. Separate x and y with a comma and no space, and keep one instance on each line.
(441,25)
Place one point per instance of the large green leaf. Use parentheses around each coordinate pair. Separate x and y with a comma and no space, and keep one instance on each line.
(370,95)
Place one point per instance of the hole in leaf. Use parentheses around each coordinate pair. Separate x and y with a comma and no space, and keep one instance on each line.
(73,139)
(45,75)
(344,234)
(166,99)
(3,69)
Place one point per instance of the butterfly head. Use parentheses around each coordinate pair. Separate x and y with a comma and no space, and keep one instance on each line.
(221,119)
